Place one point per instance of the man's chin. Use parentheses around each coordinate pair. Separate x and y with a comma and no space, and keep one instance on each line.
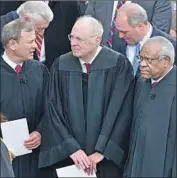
(145,76)
(76,54)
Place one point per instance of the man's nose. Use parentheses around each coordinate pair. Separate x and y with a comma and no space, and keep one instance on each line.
(143,63)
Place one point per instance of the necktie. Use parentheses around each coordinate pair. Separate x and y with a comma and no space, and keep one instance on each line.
(154,84)
(135,59)
(112,28)
(18,68)
(87,65)
(39,40)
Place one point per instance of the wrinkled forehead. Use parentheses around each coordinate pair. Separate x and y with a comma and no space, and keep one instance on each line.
(81,28)
(151,49)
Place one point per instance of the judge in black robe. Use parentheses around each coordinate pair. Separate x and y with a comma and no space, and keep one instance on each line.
(88,111)
(153,138)
(22,96)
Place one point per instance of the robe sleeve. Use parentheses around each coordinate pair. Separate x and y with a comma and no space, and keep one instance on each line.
(57,142)
(113,138)
(45,74)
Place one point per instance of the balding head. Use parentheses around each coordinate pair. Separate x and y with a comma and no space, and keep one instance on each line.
(134,14)
(85,37)
(93,26)
(132,23)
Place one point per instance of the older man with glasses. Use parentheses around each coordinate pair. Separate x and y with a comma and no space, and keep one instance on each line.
(153,138)
(90,98)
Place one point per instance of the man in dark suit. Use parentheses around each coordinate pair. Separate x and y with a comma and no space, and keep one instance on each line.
(158,11)
(55,40)
(37,12)
(134,29)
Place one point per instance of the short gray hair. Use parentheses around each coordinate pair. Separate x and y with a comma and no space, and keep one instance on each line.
(135,14)
(95,25)
(166,47)
(36,9)
(13,30)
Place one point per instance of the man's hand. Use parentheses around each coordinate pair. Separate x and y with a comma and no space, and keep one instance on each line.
(80,159)
(34,140)
(94,158)
(12,155)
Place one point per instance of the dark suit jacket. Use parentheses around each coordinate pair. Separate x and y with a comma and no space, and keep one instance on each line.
(120,44)
(56,35)
(8,6)
(4,20)
(158,12)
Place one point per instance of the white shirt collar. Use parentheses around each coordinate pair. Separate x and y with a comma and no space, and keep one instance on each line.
(152,80)
(146,37)
(9,62)
(90,62)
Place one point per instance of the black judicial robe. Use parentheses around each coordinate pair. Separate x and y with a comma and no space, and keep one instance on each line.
(153,137)
(6,165)
(22,97)
(90,111)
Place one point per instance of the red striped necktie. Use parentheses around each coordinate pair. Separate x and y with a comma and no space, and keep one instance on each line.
(113,23)
(39,40)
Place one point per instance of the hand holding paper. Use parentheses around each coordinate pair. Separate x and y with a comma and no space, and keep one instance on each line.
(33,141)
(14,134)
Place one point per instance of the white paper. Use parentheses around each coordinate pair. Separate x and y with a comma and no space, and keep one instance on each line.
(72,171)
(14,133)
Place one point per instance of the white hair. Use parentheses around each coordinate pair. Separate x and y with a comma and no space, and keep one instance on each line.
(94,24)
(166,47)
(134,13)
(36,9)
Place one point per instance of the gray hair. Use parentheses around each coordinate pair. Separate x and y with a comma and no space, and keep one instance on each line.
(36,9)
(135,14)
(94,24)
(13,30)
(166,47)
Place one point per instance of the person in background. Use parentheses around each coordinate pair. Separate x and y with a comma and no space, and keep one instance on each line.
(37,12)
(173,31)
(55,41)
(134,30)
(158,13)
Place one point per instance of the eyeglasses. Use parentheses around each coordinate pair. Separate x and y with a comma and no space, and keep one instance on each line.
(149,60)
(71,37)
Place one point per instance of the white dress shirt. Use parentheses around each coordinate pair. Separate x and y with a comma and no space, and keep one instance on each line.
(130,51)
(84,69)
(9,62)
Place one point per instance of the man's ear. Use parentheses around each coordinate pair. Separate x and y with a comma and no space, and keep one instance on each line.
(26,18)
(167,61)
(12,44)
(141,26)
